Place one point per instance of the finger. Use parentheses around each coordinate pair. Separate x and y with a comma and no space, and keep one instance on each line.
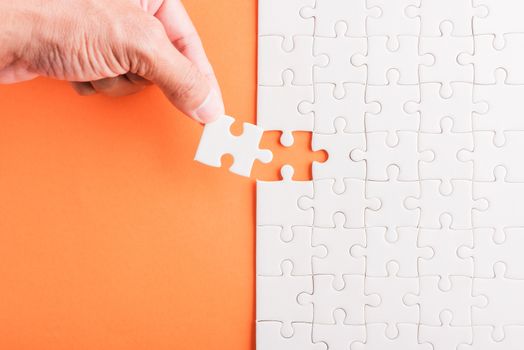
(183,34)
(137,79)
(116,87)
(83,88)
(181,80)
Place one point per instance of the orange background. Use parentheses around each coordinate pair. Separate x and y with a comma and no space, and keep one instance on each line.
(111,236)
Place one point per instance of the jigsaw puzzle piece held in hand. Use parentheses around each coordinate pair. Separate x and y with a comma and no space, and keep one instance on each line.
(217,140)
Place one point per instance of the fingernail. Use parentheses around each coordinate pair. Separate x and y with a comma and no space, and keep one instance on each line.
(211,109)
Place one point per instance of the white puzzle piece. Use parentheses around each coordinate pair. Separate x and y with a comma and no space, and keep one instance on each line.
(445,336)
(504,17)
(278,108)
(269,337)
(378,340)
(483,340)
(338,336)
(217,140)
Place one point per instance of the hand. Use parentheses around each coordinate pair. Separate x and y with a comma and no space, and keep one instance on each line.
(115,47)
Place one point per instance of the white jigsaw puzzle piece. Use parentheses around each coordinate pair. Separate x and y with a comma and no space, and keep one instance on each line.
(483,340)
(277,108)
(273,250)
(338,336)
(277,299)
(269,337)
(378,340)
(273,60)
(504,17)
(338,240)
(217,140)
(277,203)
(380,59)
(445,336)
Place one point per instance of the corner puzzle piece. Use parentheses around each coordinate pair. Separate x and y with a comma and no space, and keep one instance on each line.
(459,299)
(378,340)
(328,13)
(274,60)
(277,203)
(445,336)
(392,213)
(393,20)
(270,338)
(488,155)
(459,204)
(217,140)
(504,110)
(482,339)
(445,49)
(282,18)
(489,249)
(392,98)
(277,299)
(491,55)
(340,49)
(502,197)
(446,147)
(326,202)
(327,108)
(458,12)
(273,250)
(433,107)
(338,335)
(391,310)
(505,304)
(338,241)
(277,108)
(338,165)
(326,299)
(504,17)
(379,252)
(380,59)
(379,156)
(446,260)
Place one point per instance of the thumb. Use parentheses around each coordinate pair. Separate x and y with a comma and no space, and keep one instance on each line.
(182,82)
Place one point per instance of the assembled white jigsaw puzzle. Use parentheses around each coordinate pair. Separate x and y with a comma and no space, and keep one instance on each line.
(411,234)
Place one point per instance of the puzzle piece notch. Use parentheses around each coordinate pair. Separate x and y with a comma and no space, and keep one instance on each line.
(445,50)
(273,250)
(391,290)
(277,203)
(446,243)
(277,299)
(459,299)
(446,147)
(338,241)
(326,202)
(460,13)
(274,60)
(277,108)
(433,107)
(352,107)
(351,298)
(330,12)
(217,140)
(504,304)
(392,116)
(380,59)
(338,146)
(379,252)
(379,156)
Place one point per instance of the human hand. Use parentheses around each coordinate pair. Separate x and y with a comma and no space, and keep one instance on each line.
(113,47)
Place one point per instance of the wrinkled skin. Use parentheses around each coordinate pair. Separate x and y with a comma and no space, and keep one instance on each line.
(113,47)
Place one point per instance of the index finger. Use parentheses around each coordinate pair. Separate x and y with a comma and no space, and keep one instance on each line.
(184,36)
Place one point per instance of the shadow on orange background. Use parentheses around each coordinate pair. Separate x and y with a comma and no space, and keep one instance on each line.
(111,236)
